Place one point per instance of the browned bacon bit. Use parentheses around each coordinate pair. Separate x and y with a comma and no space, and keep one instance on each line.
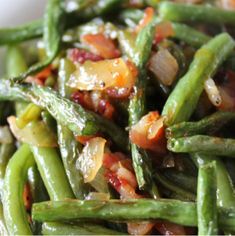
(106,109)
(163,31)
(101,45)
(80,56)
(40,77)
(148,16)
(123,180)
(82,98)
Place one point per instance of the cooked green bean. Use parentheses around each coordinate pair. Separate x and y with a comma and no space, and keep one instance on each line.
(186,195)
(16,172)
(204,144)
(72,115)
(206,200)
(55,228)
(52,173)
(193,13)
(181,179)
(141,162)
(128,210)
(189,35)
(69,147)
(209,124)
(225,192)
(21,33)
(183,100)
(53,29)
(6,151)
(3,228)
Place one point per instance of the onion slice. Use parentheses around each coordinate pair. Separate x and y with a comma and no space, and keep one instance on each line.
(36,133)
(149,132)
(5,135)
(212,92)
(91,158)
(101,75)
(98,196)
(164,66)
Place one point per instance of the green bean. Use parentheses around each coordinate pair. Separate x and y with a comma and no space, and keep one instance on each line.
(195,13)
(15,62)
(56,228)
(67,113)
(204,144)
(225,192)
(142,209)
(69,147)
(189,35)
(38,193)
(186,195)
(184,98)
(52,173)
(141,162)
(37,187)
(181,179)
(3,228)
(16,172)
(209,124)
(21,33)
(179,212)
(53,29)
(15,65)
(206,200)
(6,151)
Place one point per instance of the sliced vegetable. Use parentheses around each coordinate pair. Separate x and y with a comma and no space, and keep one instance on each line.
(31,113)
(5,135)
(36,133)
(148,133)
(91,158)
(101,45)
(212,92)
(92,76)
(164,66)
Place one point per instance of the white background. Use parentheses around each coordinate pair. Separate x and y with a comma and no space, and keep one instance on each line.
(15,12)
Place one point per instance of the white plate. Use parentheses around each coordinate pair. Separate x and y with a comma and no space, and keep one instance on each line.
(16,12)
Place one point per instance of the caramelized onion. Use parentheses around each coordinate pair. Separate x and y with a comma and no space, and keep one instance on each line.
(5,135)
(142,228)
(101,45)
(164,66)
(91,158)
(212,92)
(98,196)
(92,75)
(148,133)
(36,133)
